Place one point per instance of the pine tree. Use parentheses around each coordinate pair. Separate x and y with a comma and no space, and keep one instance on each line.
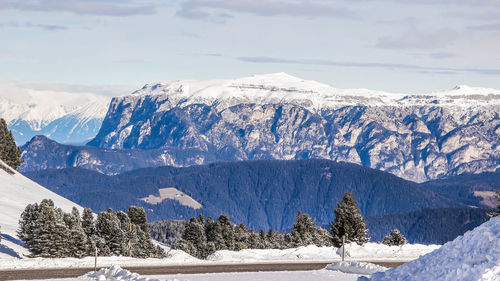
(303,230)
(28,226)
(323,237)
(194,239)
(395,238)
(52,235)
(348,222)
(495,213)
(78,239)
(88,226)
(108,227)
(138,217)
(225,231)
(241,235)
(9,151)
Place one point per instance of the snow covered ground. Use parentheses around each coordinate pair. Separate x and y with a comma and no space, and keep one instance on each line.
(367,252)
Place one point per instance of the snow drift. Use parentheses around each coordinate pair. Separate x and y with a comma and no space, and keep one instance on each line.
(114,273)
(355,267)
(475,256)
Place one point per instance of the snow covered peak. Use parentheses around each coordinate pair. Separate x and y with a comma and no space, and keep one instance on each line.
(284,88)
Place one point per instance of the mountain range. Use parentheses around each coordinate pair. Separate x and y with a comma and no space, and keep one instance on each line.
(277,116)
(62,116)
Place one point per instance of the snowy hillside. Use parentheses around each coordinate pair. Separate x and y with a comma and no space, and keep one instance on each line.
(17,191)
(63,116)
(278,116)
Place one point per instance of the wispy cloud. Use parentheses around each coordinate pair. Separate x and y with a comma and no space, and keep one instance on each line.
(81,7)
(416,39)
(410,67)
(49,27)
(221,10)
(486,27)
(442,55)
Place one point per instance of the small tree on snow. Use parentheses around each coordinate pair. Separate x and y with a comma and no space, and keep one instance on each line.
(348,222)
(395,239)
(495,213)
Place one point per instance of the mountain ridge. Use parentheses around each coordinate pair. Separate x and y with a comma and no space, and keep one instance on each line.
(415,136)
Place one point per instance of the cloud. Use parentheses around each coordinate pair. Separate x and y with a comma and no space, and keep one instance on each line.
(415,39)
(393,66)
(49,27)
(220,10)
(80,7)
(486,27)
(442,55)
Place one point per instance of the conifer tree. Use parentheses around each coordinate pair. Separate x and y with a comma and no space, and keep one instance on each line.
(77,239)
(108,227)
(9,151)
(88,226)
(52,234)
(27,225)
(194,239)
(348,222)
(303,230)
(495,213)
(395,238)
(224,229)
(241,235)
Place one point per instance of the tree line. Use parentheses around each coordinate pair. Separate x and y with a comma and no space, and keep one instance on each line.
(202,237)
(47,231)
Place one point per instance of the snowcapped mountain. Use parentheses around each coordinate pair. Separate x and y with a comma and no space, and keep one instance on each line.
(278,116)
(17,192)
(63,116)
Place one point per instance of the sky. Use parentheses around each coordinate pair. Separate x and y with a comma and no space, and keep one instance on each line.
(120,45)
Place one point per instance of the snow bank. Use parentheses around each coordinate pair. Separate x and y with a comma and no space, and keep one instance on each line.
(367,252)
(355,267)
(375,251)
(310,252)
(114,273)
(475,256)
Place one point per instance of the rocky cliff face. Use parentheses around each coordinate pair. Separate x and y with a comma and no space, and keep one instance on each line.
(415,136)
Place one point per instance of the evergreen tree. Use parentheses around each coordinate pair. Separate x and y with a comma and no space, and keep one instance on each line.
(129,231)
(303,230)
(88,226)
(225,231)
(348,222)
(108,227)
(242,236)
(77,239)
(27,225)
(51,237)
(323,237)
(144,246)
(495,213)
(194,239)
(395,238)
(9,151)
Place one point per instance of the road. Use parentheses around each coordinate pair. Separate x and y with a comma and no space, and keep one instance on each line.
(28,274)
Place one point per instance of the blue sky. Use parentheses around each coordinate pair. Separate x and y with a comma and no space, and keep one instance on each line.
(392,45)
